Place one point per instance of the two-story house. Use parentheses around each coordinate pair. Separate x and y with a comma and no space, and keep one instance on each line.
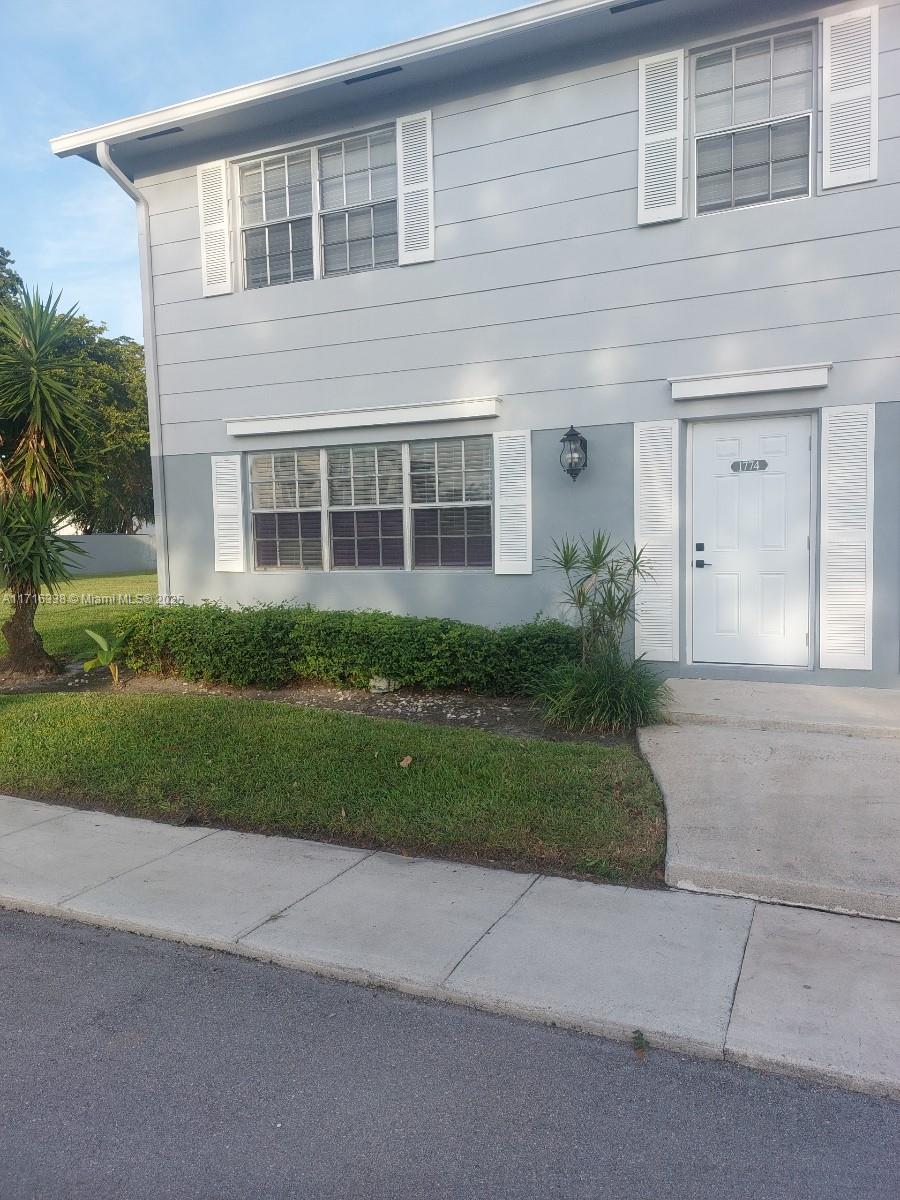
(379,292)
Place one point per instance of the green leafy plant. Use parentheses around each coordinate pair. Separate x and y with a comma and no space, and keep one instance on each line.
(269,646)
(607,688)
(608,692)
(106,656)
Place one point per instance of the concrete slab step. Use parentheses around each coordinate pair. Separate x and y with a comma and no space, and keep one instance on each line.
(789,707)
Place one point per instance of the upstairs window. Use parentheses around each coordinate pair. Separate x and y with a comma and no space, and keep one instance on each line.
(753,122)
(358,201)
(326,210)
(276,215)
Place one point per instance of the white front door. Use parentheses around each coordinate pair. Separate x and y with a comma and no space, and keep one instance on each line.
(750,539)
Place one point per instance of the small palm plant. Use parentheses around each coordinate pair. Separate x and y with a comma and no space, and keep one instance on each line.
(106,656)
(608,689)
(602,579)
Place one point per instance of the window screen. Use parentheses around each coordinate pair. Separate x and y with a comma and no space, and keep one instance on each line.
(326,210)
(276,215)
(286,503)
(451,487)
(358,199)
(366,482)
(757,97)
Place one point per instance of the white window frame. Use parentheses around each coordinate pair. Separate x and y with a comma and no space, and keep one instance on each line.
(811,112)
(357,508)
(325,510)
(437,504)
(316,212)
(253,512)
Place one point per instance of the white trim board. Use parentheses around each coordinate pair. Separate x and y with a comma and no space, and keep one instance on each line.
(478,407)
(744,383)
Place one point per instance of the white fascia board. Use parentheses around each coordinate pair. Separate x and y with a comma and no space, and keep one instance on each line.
(363,418)
(743,383)
(397,54)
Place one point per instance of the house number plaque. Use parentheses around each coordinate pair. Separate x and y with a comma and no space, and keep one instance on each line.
(749,464)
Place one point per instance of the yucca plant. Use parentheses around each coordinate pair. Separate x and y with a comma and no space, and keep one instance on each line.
(602,578)
(609,689)
(42,422)
(33,558)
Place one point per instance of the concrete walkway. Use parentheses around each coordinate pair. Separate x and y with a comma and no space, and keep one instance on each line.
(783,793)
(800,992)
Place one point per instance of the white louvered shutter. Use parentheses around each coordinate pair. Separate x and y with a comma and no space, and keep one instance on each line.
(661,138)
(845,622)
(415,175)
(656,533)
(228,512)
(850,100)
(215,239)
(512,503)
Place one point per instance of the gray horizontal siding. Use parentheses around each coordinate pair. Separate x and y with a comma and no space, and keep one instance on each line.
(760,273)
(839,341)
(830,301)
(552,312)
(555,406)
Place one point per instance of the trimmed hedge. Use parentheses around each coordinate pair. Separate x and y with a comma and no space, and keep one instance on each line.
(268,646)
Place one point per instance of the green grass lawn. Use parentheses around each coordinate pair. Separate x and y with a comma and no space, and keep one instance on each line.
(85,603)
(275,768)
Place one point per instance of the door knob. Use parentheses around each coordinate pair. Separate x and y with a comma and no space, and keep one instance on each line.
(701,563)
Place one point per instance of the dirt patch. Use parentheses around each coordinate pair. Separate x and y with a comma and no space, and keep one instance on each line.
(466,710)
(72,678)
(506,715)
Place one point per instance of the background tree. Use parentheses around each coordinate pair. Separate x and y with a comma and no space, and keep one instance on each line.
(43,424)
(11,286)
(116,494)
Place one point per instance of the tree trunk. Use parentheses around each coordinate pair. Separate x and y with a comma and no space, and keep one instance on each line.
(27,655)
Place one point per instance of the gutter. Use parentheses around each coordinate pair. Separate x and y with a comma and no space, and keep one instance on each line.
(151,371)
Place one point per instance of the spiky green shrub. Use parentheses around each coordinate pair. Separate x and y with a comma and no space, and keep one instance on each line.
(608,692)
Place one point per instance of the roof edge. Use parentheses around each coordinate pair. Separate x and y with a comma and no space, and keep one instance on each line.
(245,95)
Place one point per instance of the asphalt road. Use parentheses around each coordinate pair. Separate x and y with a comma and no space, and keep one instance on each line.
(134,1068)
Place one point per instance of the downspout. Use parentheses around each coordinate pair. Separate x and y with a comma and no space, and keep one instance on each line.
(157,467)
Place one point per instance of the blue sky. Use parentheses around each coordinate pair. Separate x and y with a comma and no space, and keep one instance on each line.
(69,64)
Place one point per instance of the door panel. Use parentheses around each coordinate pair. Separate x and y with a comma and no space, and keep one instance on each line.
(751,532)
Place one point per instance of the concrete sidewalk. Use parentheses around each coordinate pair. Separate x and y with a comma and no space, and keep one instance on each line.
(795,991)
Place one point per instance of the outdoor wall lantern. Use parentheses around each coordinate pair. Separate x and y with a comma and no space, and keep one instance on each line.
(573,457)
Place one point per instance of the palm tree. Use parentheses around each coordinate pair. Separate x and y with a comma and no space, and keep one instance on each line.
(42,423)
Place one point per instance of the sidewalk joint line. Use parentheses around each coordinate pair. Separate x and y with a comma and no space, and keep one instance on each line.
(37,824)
(737,978)
(140,866)
(306,895)
(492,925)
